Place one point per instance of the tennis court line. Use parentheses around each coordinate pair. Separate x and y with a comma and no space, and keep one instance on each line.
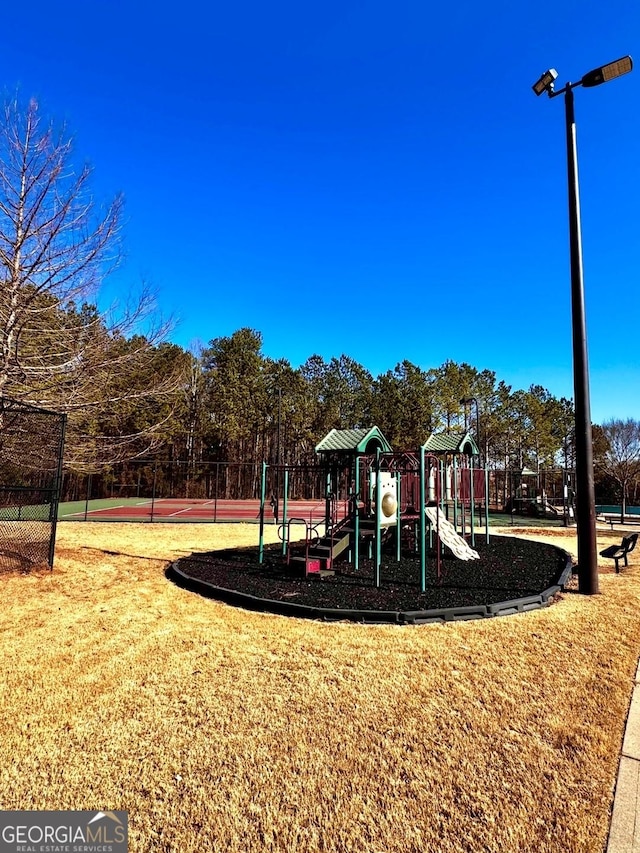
(92,511)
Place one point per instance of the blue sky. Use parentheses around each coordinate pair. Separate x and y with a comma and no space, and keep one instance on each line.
(362,178)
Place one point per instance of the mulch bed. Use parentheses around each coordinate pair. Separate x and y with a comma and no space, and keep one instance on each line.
(508,568)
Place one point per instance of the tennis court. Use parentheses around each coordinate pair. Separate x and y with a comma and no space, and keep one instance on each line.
(194,510)
(184,510)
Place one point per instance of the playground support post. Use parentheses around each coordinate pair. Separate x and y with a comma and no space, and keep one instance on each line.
(285,543)
(328,491)
(278,457)
(486,504)
(356,516)
(423,526)
(263,492)
(378,511)
(472,499)
(398,518)
(455,494)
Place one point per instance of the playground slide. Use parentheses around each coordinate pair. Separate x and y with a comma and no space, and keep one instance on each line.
(449,536)
(554,510)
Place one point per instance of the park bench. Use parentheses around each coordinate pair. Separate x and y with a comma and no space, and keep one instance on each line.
(619,552)
(615,518)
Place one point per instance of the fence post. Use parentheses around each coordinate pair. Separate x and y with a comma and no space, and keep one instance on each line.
(153,490)
(55,497)
(215,496)
(86,502)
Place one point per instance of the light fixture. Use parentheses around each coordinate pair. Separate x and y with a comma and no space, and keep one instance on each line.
(608,72)
(545,83)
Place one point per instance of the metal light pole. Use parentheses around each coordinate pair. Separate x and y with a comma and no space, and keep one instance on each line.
(467,401)
(585,494)
(277,495)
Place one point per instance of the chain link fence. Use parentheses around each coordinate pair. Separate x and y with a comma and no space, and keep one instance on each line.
(161,479)
(31,445)
(548,492)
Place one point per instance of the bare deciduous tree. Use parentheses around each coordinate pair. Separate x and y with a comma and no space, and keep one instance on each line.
(57,350)
(621,458)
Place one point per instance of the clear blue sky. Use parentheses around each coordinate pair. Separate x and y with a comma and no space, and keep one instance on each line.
(372,179)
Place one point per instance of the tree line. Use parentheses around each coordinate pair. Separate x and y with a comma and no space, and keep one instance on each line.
(129,393)
(244,406)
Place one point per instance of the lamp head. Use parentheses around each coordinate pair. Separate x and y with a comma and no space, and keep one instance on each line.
(545,83)
(607,72)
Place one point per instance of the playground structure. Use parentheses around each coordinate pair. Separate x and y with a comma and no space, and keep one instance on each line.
(545,494)
(416,502)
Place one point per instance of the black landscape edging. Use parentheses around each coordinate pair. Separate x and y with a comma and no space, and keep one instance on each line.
(272,605)
(568,568)
(386,617)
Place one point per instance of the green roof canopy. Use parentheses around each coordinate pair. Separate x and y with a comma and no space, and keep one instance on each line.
(448,442)
(352,441)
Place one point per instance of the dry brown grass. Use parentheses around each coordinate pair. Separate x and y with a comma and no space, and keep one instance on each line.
(219,729)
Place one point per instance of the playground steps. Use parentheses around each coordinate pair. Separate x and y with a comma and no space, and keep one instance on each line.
(312,566)
(321,556)
(328,548)
(331,546)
